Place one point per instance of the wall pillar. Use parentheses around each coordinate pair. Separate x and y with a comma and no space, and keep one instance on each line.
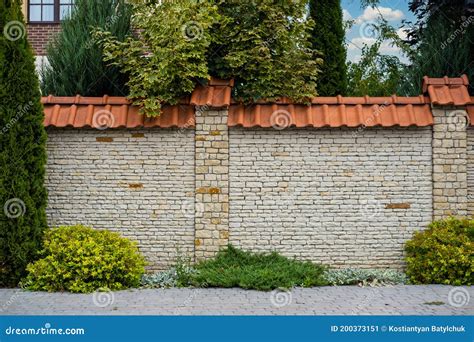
(212,182)
(449,162)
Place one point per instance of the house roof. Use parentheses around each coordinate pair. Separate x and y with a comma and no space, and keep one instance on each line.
(338,111)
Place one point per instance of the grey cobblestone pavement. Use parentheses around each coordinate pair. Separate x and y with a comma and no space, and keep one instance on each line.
(346,300)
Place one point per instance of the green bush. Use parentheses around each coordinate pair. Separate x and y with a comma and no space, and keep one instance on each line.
(442,254)
(236,268)
(81,259)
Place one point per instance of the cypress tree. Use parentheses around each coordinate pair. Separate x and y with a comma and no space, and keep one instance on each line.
(22,149)
(75,61)
(328,38)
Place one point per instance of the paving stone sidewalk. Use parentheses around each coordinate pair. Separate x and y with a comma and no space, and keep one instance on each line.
(337,300)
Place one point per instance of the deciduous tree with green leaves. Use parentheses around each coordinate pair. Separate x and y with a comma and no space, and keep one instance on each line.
(22,149)
(262,45)
(439,43)
(376,74)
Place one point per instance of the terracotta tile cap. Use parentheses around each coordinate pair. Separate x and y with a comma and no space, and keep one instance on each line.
(113,100)
(470,113)
(220,82)
(463,80)
(330,115)
(353,100)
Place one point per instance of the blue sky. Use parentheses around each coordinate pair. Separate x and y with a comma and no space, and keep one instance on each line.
(393,11)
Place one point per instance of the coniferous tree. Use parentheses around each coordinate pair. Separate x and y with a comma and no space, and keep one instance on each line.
(443,47)
(75,61)
(22,149)
(328,37)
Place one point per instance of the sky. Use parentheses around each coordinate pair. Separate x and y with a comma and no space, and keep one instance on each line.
(361,33)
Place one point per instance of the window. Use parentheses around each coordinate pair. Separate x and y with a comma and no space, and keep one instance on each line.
(49,11)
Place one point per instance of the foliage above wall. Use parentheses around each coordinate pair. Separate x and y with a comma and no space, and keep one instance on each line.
(75,64)
(376,74)
(262,45)
(328,37)
(438,44)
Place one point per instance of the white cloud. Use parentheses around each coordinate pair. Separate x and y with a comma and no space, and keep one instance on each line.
(402,33)
(371,14)
(355,58)
(346,15)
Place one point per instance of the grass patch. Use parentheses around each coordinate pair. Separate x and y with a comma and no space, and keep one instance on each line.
(259,271)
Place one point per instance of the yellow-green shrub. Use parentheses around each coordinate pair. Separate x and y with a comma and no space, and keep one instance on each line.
(442,254)
(81,259)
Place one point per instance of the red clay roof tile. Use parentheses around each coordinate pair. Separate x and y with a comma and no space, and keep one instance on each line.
(470,111)
(216,94)
(330,115)
(447,91)
(335,111)
(110,113)
(115,112)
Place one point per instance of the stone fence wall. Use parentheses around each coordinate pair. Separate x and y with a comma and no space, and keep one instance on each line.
(345,197)
(335,196)
(470,168)
(137,182)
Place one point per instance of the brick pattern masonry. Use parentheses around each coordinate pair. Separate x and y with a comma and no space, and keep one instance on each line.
(341,196)
(39,35)
(449,163)
(137,182)
(212,182)
(470,167)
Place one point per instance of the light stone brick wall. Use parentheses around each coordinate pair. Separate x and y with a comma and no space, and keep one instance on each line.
(449,162)
(212,182)
(341,197)
(139,183)
(470,170)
